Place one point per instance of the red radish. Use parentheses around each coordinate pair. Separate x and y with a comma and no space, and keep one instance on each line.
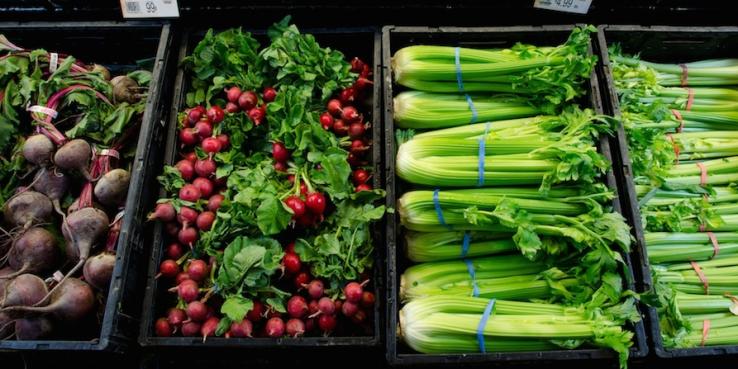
(216,114)
(279,152)
(355,160)
(205,220)
(290,248)
(347,95)
(315,289)
(362,83)
(274,327)
(190,192)
(225,142)
(338,304)
(356,130)
(358,147)
(198,270)
(169,268)
(349,308)
(295,327)
(363,187)
(326,120)
(162,328)
(241,329)
(291,263)
(205,168)
(326,305)
(280,166)
(353,292)
(357,65)
(310,325)
(256,115)
(296,205)
(232,107)
(209,327)
(340,128)
(197,311)
(176,316)
(327,323)
(303,188)
(359,317)
(367,299)
(233,93)
(187,215)
(211,145)
(187,236)
(164,212)
(195,114)
(203,129)
(360,176)
(269,94)
(190,329)
(306,220)
(291,178)
(181,277)
(247,100)
(186,168)
(204,185)
(313,307)
(334,107)
(188,290)
(349,114)
(297,307)
(172,229)
(365,72)
(257,312)
(174,251)
(189,136)
(215,201)
(301,279)
(315,201)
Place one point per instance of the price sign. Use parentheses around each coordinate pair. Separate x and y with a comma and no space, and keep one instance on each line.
(149,8)
(570,6)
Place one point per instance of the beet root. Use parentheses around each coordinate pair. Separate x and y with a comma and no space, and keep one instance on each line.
(125,89)
(36,251)
(6,326)
(24,290)
(52,184)
(33,328)
(83,229)
(28,208)
(74,155)
(38,149)
(71,300)
(4,281)
(112,188)
(98,270)
(104,72)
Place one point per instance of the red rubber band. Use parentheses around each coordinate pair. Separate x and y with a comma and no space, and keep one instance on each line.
(685,74)
(705,331)
(703,173)
(675,147)
(690,98)
(702,228)
(701,276)
(715,244)
(678,116)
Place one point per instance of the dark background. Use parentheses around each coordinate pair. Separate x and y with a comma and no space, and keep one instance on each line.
(260,13)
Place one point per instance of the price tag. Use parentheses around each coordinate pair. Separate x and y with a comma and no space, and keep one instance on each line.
(149,8)
(569,6)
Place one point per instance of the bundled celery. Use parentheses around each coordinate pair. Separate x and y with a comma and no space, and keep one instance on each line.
(438,246)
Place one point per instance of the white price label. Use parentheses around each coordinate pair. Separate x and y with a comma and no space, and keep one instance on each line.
(149,8)
(570,6)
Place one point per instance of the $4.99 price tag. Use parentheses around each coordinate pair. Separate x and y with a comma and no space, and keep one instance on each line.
(570,6)
(149,8)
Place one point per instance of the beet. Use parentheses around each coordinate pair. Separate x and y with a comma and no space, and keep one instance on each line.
(71,300)
(125,89)
(104,72)
(27,208)
(112,188)
(36,251)
(74,155)
(4,281)
(33,328)
(52,184)
(98,270)
(6,326)
(38,149)
(83,229)
(24,290)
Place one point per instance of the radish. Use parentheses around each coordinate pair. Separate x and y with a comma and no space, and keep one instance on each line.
(187,216)
(274,327)
(269,94)
(295,327)
(188,291)
(310,325)
(357,65)
(356,130)
(225,142)
(28,208)
(301,280)
(232,107)
(176,316)
(198,270)
(194,114)
(205,220)
(327,323)
(189,136)
(215,201)
(349,308)
(326,120)
(74,155)
(362,83)
(363,187)
(181,277)
(326,305)
(241,329)
(359,317)
(35,328)
(204,185)
(220,183)
(340,128)
(38,149)
(24,290)
(313,307)
(169,268)
(174,251)
(190,192)
(187,236)
(205,168)
(279,152)
(360,176)
(315,202)
(349,114)
(247,100)
(211,145)
(296,205)
(353,292)
(204,129)
(303,188)
(334,107)
(290,248)
(112,188)
(358,147)
(186,169)
(315,289)
(297,307)
(125,89)
(291,263)
(162,328)
(216,114)
(36,251)
(190,329)
(52,184)
(191,157)
(347,95)
(257,312)
(306,220)
(164,212)
(233,93)
(355,160)
(72,299)
(367,299)
(209,327)
(280,166)
(171,228)
(256,115)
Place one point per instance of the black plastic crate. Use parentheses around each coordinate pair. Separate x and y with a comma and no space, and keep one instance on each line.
(361,42)
(117,45)
(660,44)
(394,38)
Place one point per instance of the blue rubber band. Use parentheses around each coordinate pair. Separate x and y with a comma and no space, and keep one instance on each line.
(473,276)
(483,323)
(439,212)
(459,81)
(465,244)
(475,115)
(481,155)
